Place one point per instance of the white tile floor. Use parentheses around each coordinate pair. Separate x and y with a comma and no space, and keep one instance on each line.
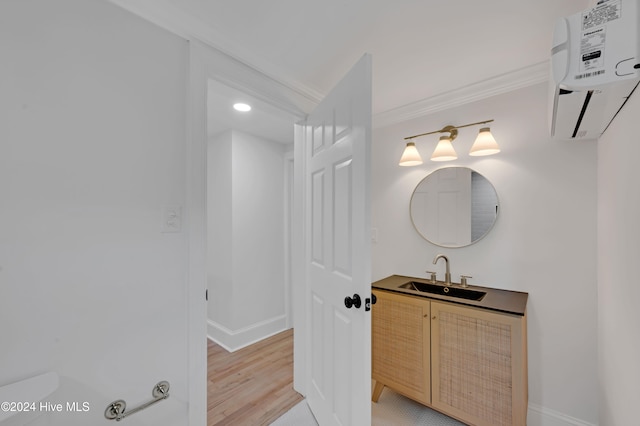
(393,409)
(299,415)
(390,410)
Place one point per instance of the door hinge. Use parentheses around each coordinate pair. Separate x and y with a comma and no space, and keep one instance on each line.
(206,295)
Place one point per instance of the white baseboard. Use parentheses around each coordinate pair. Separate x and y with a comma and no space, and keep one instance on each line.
(541,416)
(232,340)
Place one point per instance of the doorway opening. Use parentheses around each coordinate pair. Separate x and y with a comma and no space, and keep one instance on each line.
(249,215)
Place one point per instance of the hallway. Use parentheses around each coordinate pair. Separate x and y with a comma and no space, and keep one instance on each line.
(252,386)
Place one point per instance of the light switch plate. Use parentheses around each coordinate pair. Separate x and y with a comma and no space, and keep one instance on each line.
(171,218)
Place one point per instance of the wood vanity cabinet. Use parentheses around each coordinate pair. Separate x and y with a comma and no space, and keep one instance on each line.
(466,362)
(400,346)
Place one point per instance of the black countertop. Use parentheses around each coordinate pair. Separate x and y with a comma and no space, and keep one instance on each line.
(512,302)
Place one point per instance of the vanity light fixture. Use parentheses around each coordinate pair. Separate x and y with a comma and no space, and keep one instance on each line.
(485,144)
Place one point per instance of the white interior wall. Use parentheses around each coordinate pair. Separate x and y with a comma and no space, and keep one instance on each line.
(258,209)
(252,287)
(219,231)
(618,252)
(544,241)
(92,147)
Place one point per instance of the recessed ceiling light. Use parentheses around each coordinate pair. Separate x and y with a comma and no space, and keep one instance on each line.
(242,107)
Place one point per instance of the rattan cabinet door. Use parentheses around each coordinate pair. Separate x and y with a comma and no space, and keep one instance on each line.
(479,367)
(400,345)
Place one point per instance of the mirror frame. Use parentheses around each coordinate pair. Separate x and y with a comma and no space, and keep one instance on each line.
(453,246)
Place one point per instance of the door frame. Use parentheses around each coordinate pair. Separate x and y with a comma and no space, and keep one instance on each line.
(288,236)
(207,63)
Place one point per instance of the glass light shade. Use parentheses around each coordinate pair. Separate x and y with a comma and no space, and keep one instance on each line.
(444,150)
(410,156)
(485,144)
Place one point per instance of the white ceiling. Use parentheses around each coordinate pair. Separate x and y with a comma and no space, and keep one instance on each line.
(263,120)
(421,49)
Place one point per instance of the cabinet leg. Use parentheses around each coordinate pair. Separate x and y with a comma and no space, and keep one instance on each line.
(377,390)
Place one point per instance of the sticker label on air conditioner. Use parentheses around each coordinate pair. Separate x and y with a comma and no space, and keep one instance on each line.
(592,51)
(605,11)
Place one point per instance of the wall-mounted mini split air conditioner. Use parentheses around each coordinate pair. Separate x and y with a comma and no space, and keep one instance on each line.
(595,67)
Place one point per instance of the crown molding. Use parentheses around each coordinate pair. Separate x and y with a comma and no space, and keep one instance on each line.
(167,16)
(507,82)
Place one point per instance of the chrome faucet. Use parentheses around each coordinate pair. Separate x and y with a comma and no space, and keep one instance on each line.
(447,274)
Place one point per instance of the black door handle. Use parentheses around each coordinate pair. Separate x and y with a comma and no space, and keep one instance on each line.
(353,301)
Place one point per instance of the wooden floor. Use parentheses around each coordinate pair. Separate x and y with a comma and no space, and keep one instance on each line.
(252,386)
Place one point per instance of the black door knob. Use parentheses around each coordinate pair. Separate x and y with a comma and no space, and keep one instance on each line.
(353,301)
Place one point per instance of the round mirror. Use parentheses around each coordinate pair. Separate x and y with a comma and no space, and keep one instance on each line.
(454,207)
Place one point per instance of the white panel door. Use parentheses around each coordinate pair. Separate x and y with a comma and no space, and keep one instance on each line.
(336,141)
